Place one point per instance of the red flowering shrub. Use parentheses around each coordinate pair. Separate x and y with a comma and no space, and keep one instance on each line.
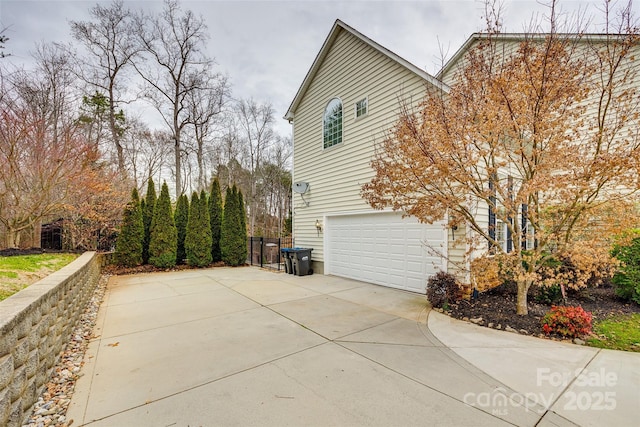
(568,321)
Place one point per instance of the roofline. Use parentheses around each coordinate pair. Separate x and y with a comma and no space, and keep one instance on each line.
(339,25)
(516,37)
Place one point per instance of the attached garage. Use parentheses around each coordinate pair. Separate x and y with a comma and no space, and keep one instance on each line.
(385,249)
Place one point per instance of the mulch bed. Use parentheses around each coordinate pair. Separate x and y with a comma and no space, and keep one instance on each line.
(148,268)
(19,251)
(31,251)
(496,308)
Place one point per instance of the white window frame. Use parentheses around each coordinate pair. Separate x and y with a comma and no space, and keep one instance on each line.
(324,115)
(366,109)
(501,234)
(530,237)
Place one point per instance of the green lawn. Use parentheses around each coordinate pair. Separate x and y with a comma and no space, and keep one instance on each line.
(617,333)
(18,272)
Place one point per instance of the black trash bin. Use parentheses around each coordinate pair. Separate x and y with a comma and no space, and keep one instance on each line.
(301,261)
(286,254)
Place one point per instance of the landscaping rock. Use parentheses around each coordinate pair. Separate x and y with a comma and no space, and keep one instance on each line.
(477,320)
(578,341)
(466,319)
(510,329)
(490,325)
(51,407)
(524,332)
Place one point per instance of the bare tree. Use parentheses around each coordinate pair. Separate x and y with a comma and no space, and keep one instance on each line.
(3,40)
(255,125)
(49,89)
(205,107)
(145,152)
(275,187)
(111,44)
(174,39)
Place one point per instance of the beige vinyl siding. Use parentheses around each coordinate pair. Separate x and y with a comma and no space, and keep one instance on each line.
(457,250)
(504,49)
(350,71)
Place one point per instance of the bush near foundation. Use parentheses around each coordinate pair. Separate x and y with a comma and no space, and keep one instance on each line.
(442,290)
(567,321)
(627,278)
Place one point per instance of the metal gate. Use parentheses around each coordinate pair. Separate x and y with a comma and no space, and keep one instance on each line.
(265,251)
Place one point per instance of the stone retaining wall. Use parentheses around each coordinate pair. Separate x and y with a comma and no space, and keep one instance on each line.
(35,324)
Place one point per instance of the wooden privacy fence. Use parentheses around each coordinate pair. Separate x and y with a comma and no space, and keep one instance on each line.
(265,251)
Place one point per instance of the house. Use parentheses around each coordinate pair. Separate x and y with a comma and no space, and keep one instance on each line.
(349,98)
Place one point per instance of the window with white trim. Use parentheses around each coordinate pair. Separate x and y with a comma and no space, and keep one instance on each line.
(530,240)
(332,123)
(501,234)
(362,107)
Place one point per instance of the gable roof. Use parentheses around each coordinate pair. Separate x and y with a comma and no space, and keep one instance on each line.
(475,37)
(339,26)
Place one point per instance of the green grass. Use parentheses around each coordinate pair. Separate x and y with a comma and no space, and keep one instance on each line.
(617,333)
(9,274)
(18,272)
(30,263)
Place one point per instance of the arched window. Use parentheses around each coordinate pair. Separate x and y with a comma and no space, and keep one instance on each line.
(332,123)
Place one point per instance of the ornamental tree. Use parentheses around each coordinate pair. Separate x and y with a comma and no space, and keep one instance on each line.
(541,141)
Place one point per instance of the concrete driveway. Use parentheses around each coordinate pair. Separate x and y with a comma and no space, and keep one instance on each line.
(247,347)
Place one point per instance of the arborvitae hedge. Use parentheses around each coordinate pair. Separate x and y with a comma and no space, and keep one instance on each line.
(243,226)
(181,218)
(164,236)
(198,240)
(233,241)
(147,217)
(215,219)
(128,251)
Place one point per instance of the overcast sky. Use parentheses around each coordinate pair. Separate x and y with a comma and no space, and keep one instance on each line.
(267,47)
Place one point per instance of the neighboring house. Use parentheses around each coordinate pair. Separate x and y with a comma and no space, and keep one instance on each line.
(350,97)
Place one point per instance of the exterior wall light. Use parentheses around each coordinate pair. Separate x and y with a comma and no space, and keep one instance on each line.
(318,226)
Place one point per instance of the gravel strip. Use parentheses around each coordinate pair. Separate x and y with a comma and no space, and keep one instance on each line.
(51,407)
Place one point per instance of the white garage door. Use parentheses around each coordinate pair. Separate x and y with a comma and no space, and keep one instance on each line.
(385,249)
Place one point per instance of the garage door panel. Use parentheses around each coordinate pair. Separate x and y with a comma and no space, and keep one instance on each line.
(415,251)
(383,248)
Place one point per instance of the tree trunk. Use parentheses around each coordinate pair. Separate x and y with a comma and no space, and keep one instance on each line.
(178,167)
(12,237)
(37,234)
(115,135)
(200,155)
(521,304)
